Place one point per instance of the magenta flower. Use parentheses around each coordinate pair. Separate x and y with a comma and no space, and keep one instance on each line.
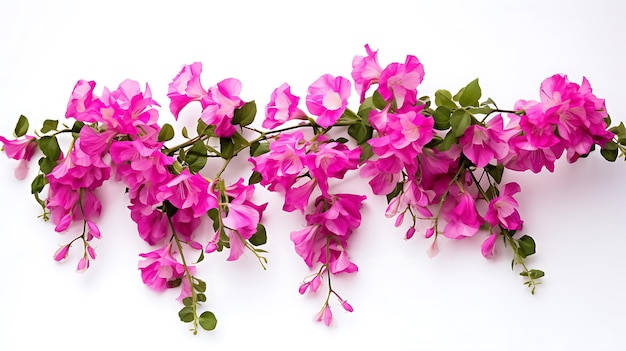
(220,104)
(188,190)
(331,160)
(325,315)
(160,267)
(22,150)
(128,109)
(399,81)
(62,253)
(481,145)
(365,71)
(185,88)
(463,219)
(503,209)
(283,107)
(489,245)
(84,105)
(327,98)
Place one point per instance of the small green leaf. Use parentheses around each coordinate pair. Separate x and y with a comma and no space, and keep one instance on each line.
(255,178)
(46,165)
(442,118)
(205,129)
(260,237)
(166,133)
(259,148)
(447,142)
(50,147)
(199,285)
(174,283)
(227,148)
(201,257)
(470,95)
(207,320)
(444,98)
(196,157)
(526,246)
(495,172)
(185,133)
(366,152)
(245,114)
(349,117)
(609,151)
(360,132)
(38,184)
(21,128)
(379,101)
(188,301)
(201,297)
(49,125)
(186,314)
(536,274)
(366,107)
(459,121)
(77,126)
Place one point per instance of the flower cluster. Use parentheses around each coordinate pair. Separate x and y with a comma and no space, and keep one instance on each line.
(439,162)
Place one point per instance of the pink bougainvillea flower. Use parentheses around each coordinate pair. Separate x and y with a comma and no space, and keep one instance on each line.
(481,145)
(503,209)
(22,150)
(306,242)
(365,71)
(185,88)
(220,104)
(159,267)
(128,109)
(283,107)
(331,160)
(84,105)
(399,81)
(327,98)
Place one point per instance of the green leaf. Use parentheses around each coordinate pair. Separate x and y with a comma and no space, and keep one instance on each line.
(201,297)
(255,178)
(379,101)
(470,95)
(46,165)
(395,191)
(21,128)
(245,114)
(196,157)
(360,132)
(459,121)
(366,107)
(444,98)
(207,320)
(260,237)
(227,148)
(526,246)
(174,283)
(485,110)
(50,147)
(186,314)
(214,214)
(447,142)
(199,285)
(259,148)
(38,184)
(366,152)
(49,125)
(169,209)
(205,129)
(239,141)
(188,301)
(349,117)
(609,151)
(166,133)
(77,126)
(442,117)
(185,133)
(201,257)
(495,172)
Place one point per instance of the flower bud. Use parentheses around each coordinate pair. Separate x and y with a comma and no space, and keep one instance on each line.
(346,306)
(62,253)
(82,266)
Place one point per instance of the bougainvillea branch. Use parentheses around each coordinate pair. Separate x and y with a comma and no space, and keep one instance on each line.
(438,161)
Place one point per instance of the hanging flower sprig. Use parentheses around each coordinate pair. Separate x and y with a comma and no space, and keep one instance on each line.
(438,161)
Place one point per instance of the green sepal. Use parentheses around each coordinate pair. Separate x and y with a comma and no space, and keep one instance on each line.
(21,128)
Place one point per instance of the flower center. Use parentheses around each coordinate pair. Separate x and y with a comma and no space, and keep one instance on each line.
(331,101)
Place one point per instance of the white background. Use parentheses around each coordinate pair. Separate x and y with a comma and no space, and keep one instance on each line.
(402,299)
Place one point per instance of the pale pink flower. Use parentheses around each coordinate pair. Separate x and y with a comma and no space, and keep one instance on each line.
(220,104)
(185,88)
(22,150)
(365,71)
(84,105)
(327,98)
(283,107)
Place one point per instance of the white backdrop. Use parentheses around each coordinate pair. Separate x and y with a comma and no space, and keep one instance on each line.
(402,299)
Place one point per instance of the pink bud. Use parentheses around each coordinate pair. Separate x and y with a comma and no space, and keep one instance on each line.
(62,253)
(346,306)
(315,283)
(328,316)
(93,230)
(489,245)
(433,250)
(429,232)
(410,233)
(91,252)
(210,247)
(82,266)
(64,223)
(303,288)
(195,245)
(399,219)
